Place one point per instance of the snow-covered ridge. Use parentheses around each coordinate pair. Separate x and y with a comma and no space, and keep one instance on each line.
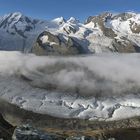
(105,86)
(104,33)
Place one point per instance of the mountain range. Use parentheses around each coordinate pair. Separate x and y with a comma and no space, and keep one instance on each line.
(106,32)
(56,92)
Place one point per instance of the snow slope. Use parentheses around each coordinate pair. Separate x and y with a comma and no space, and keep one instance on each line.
(109,85)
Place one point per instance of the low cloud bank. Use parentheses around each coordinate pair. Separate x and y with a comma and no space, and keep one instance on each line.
(96,75)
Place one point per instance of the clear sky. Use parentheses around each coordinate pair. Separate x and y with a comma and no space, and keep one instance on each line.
(81,9)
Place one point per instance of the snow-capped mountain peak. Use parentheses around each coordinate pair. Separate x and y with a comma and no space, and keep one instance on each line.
(13,18)
(59,20)
(17,23)
(73,20)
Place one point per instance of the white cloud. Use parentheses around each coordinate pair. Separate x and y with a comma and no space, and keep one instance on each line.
(102,74)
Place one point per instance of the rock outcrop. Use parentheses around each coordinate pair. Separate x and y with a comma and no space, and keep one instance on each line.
(50,44)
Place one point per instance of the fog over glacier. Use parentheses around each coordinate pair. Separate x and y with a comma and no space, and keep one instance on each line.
(96,75)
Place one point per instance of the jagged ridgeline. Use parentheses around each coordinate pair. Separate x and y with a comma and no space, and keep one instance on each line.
(103,33)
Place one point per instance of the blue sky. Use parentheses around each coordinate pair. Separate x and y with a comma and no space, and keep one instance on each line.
(81,9)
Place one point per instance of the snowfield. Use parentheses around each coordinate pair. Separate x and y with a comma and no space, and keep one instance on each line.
(101,86)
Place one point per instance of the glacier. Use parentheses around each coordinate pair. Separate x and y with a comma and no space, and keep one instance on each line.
(97,87)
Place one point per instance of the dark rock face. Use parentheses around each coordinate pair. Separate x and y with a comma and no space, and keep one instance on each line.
(69,29)
(6,129)
(125,46)
(56,45)
(135,28)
